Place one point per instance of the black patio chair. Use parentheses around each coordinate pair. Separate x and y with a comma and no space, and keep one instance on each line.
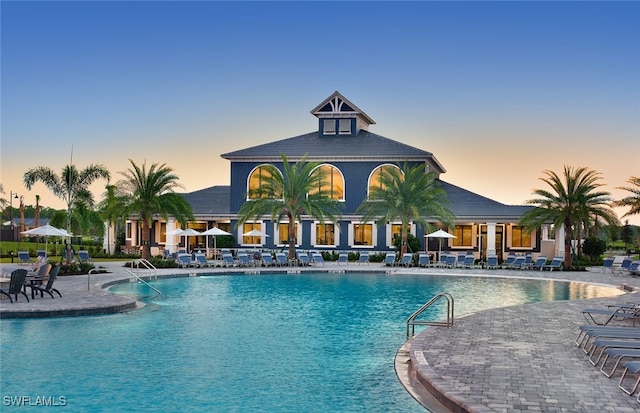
(16,285)
(48,287)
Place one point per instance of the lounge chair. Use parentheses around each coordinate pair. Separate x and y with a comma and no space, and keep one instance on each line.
(528,262)
(450,261)
(267,260)
(185,261)
(41,253)
(618,312)
(317,258)
(460,260)
(16,284)
(539,263)
(509,261)
(469,261)
(630,367)
(623,268)
(605,344)
(303,259)
(228,261)
(343,258)
(363,258)
(83,256)
(607,265)
(243,260)
(23,257)
(406,260)
(442,262)
(48,287)
(389,259)
(632,269)
(201,260)
(423,260)
(282,260)
(492,262)
(517,264)
(556,264)
(618,354)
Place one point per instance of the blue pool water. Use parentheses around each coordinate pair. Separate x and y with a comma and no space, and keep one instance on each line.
(249,343)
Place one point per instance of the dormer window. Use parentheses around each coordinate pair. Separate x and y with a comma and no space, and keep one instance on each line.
(344,126)
(329,127)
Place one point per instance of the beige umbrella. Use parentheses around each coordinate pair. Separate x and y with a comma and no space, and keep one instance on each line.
(440,234)
(215,231)
(47,231)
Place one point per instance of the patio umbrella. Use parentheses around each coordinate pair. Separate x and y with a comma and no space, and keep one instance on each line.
(215,231)
(189,232)
(255,233)
(47,231)
(440,234)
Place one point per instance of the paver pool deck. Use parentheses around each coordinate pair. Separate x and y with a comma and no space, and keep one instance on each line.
(512,359)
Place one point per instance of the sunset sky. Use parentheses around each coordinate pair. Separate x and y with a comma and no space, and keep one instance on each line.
(497,91)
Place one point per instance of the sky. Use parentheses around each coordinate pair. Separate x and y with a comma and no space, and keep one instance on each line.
(498,91)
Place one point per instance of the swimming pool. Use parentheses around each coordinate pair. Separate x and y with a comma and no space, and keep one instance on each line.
(244,343)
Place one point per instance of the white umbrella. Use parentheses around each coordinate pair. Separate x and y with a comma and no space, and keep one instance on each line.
(255,233)
(440,234)
(215,231)
(47,231)
(189,232)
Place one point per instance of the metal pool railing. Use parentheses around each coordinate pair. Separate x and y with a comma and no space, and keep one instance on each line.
(412,322)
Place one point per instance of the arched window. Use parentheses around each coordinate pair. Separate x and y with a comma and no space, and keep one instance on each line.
(332,184)
(257,179)
(374,178)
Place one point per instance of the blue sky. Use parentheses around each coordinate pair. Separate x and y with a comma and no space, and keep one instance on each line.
(497,91)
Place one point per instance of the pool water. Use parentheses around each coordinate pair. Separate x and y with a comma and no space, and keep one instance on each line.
(244,343)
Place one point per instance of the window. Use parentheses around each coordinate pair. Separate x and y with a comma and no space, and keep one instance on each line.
(250,226)
(129,234)
(520,238)
(332,183)
(329,127)
(344,126)
(257,179)
(163,232)
(325,234)
(363,234)
(283,233)
(464,234)
(374,178)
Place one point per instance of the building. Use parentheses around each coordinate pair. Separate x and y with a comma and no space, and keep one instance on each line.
(352,157)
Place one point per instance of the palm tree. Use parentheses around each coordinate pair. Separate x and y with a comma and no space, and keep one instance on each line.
(573,201)
(70,185)
(151,192)
(632,200)
(407,194)
(297,190)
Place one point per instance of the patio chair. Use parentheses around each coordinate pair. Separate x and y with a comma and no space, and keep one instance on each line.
(618,312)
(460,260)
(343,258)
(469,261)
(185,261)
(631,269)
(363,258)
(623,267)
(228,261)
(23,257)
(16,284)
(450,261)
(201,260)
(303,259)
(267,260)
(317,258)
(630,367)
(282,260)
(607,265)
(406,260)
(539,263)
(423,260)
(618,354)
(389,259)
(83,256)
(41,253)
(243,260)
(492,262)
(556,264)
(48,287)
(509,261)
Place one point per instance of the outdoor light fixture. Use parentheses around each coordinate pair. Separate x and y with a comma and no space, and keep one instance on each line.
(11,196)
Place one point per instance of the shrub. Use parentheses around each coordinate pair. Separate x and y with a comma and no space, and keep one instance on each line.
(594,247)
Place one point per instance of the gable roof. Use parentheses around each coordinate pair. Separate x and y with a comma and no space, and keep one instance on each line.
(209,201)
(470,206)
(366,146)
(337,104)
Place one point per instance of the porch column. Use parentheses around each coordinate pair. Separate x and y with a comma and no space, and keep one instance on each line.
(559,245)
(170,243)
(109,238)
(544,232)
(491,238)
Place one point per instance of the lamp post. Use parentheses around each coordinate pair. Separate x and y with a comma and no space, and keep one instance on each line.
(11,196)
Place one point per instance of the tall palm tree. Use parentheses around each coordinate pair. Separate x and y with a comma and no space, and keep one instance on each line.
(70,185)
(632,200)
(573,201)
(151,192)
(407,194)
(297,190)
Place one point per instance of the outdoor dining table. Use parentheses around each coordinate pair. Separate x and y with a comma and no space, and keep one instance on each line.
(31,281)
